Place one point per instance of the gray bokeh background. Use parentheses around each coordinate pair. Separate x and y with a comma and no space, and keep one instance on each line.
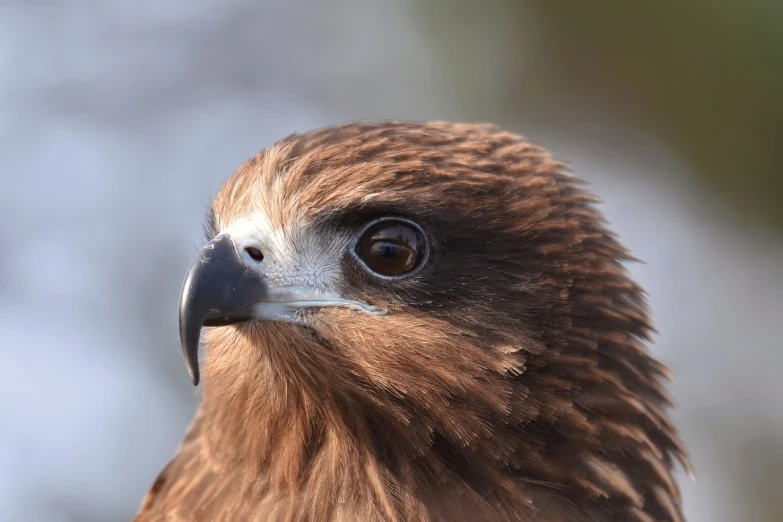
(119,121)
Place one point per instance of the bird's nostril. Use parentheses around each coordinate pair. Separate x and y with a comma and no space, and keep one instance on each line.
(255,253)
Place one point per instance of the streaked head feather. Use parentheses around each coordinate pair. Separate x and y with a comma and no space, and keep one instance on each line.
(509,381)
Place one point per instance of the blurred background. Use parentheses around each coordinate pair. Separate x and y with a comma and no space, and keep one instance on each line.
(119,121)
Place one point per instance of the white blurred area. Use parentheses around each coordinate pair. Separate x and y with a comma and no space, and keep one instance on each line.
(119,121)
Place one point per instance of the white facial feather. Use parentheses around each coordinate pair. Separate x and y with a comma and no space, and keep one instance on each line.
(292,255)
(302,266)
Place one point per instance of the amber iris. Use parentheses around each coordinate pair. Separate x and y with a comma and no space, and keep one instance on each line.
(391,248)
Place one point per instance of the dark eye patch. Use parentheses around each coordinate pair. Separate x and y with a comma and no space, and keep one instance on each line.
(354,217)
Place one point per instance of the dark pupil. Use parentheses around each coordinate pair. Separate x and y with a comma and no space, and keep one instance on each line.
(390,248)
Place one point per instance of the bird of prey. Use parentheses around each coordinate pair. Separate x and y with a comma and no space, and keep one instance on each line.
(416,322)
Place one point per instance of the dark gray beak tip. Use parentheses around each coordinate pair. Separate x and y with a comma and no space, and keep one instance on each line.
(219,289)
(190,319)
(194,374)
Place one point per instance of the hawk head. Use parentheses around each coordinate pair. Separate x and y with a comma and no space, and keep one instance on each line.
(425,320)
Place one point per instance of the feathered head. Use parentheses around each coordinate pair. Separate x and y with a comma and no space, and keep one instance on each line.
(426,318)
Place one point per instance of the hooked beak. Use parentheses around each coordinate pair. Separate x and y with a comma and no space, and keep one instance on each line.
(221,289)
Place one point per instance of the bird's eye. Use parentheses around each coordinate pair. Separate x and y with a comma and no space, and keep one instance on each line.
(391,248)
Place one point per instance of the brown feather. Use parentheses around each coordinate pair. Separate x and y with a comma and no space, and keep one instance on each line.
(510,380)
